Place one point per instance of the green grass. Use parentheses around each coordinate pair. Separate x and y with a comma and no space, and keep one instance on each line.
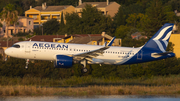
(88,80)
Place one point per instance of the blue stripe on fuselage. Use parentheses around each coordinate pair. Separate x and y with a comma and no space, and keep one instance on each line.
(146,57)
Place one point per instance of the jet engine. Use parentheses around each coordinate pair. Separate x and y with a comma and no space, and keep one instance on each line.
(63,61)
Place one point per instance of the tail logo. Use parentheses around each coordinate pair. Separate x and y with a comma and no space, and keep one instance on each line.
(162,41)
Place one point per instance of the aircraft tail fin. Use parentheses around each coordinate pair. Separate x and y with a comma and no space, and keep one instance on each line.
(160,40)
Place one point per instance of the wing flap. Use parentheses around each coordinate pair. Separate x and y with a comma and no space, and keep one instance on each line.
(94,53)
(91,54)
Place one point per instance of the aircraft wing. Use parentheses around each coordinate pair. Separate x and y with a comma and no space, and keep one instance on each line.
(94,53)
(91,54)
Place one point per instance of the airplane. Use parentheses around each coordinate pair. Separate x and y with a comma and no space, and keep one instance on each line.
(65,55)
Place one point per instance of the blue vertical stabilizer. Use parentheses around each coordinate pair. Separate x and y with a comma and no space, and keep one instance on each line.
(160,40)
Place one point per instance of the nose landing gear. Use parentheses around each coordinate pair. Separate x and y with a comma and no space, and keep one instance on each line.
(27,63)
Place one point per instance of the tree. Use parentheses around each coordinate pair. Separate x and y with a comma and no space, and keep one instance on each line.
(136,20)
(175,4)
(62,25)
(91,22)
(50,27)
(94,22)
(72,24)
(119,18)
(121,31)
(62,20)
(25,4)
(157,16)
(10,15)
(126,2)
(1,25)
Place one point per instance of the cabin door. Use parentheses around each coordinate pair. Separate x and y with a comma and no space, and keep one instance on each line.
(140,55)
(28,47)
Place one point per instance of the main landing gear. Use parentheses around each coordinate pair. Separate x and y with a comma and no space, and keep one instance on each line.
(84,63)
(27,63)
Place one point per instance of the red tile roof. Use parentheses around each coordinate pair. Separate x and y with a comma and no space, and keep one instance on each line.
(52,8)
(4,43)
(83,35)
(98,4)
(47,38)
(85,39)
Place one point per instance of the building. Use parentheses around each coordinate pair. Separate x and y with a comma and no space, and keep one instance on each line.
(92,39)
(137,36)
(175,40)
(107,8)
(43,13)
(175,36)
(177,13)
(46,38)
(24,24)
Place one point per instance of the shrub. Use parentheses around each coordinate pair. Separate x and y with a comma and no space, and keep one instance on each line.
(121,91)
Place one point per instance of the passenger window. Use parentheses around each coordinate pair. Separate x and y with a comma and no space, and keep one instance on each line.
(16,46)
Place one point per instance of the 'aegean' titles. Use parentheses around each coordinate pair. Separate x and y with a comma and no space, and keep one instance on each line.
(47,45)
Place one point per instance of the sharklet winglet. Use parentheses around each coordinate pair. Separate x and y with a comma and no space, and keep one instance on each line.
(111,42)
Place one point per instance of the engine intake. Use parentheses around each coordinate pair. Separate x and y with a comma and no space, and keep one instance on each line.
(63,61)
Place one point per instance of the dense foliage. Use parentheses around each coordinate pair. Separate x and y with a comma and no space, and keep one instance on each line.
(91,22)
(48,28)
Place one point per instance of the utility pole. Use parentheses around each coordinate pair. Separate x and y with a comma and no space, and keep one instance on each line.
(42,28)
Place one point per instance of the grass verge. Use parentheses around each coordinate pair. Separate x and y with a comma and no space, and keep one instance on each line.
(89,86)
(88,91)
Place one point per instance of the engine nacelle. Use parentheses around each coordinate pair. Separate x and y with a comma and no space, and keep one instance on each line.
(63,61)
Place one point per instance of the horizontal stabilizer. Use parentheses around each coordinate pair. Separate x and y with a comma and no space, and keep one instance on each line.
(164,53)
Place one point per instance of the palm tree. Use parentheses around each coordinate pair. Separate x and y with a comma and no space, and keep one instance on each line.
(1,26)
(10,16)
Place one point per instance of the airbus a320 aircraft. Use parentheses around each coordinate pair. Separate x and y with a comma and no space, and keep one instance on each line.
(65,54)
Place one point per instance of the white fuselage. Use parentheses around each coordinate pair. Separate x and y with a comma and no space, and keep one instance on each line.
(48,50)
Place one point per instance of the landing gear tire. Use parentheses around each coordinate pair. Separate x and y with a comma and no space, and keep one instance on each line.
(84,64)
(26,67)
(84,70)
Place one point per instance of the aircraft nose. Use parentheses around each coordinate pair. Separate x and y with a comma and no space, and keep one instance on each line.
(7,52)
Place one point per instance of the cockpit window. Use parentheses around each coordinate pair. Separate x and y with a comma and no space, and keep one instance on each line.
(16,46)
